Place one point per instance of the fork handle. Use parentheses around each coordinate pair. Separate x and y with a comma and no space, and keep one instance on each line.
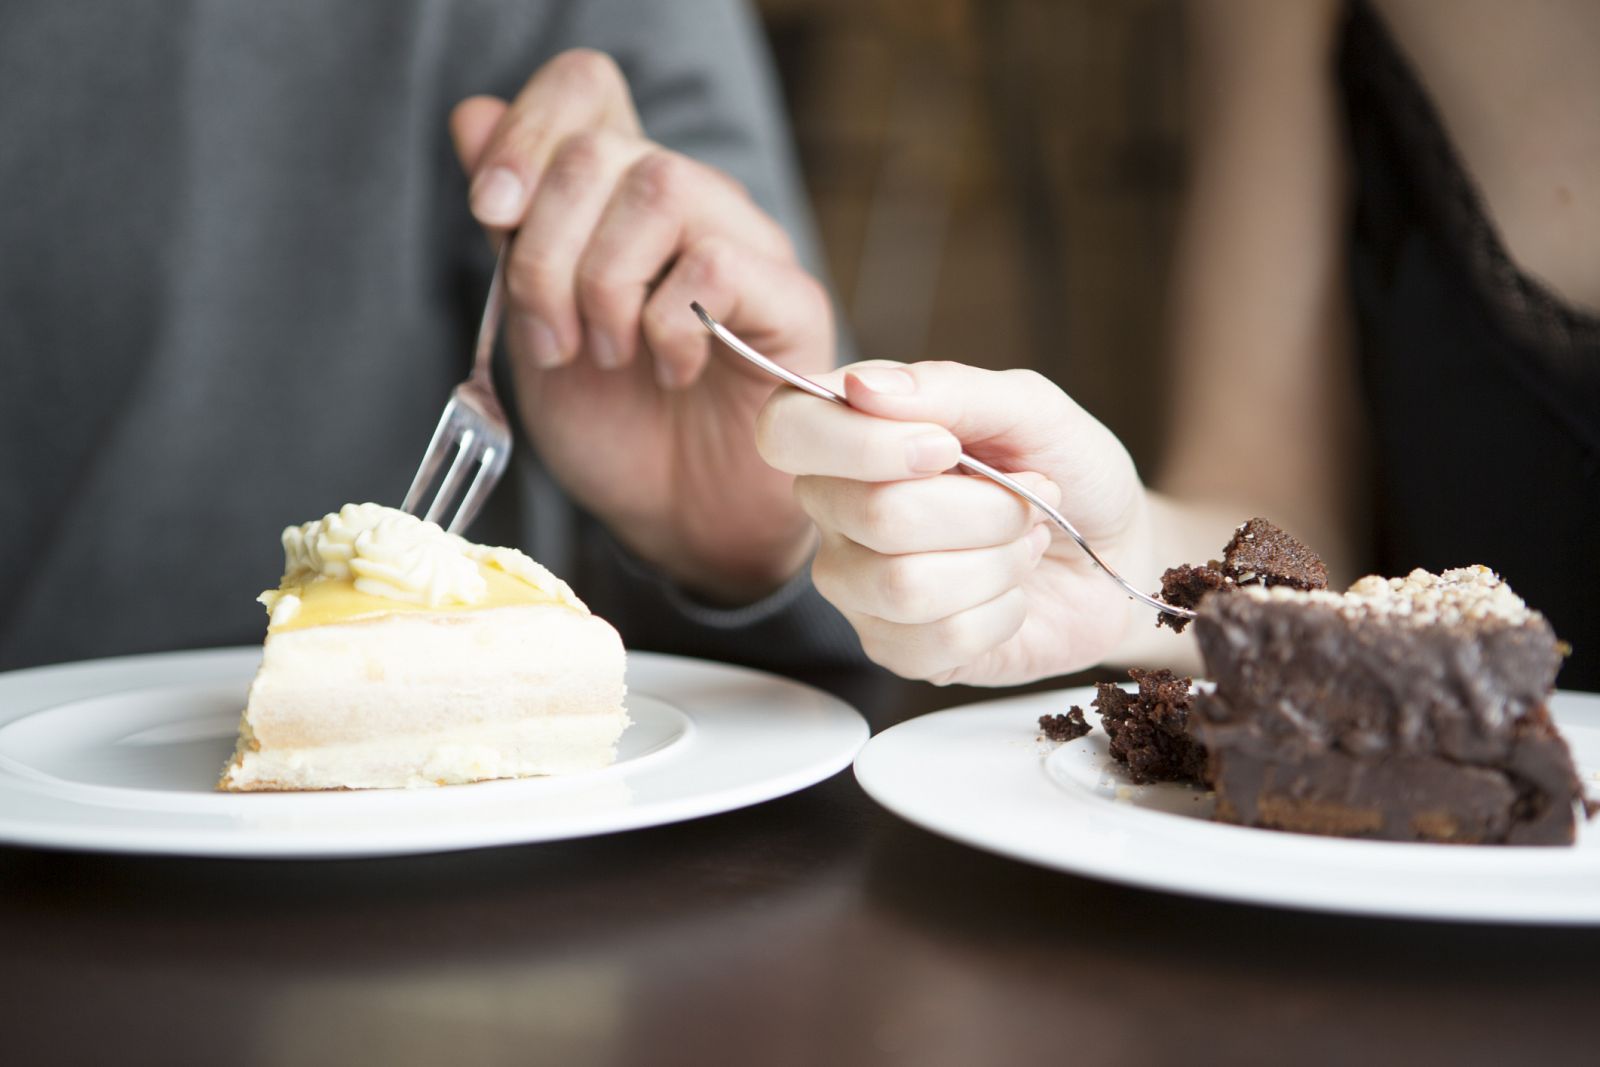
(493,307)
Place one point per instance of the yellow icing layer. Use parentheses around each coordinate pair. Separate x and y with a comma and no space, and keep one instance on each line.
(332,600)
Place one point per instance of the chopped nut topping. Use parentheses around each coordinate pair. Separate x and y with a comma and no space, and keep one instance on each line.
(1461,596)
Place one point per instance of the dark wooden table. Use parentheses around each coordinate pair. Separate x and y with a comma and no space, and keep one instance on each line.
(815,929)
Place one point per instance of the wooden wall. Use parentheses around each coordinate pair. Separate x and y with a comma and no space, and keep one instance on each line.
(996,182)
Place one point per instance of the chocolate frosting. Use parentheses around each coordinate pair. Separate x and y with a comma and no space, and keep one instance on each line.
(1296,677)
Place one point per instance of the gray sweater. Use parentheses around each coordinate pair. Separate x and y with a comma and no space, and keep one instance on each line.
(238,279)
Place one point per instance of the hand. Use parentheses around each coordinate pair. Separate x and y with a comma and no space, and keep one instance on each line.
(949,577)
(615,378)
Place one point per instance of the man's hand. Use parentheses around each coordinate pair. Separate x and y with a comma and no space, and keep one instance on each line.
(616,380)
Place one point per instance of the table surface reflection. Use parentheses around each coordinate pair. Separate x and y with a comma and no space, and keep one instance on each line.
(815,929)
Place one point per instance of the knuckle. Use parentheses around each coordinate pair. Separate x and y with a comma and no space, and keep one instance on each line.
(597,282)
(884,513)
(595,303)
(920,666)
(827,575)
(661,324)
(889,654)
(961,635)
(806,488)
(781,244)
(875,651)
(519,287)
(902,588)
(587,69)
(529,278)
(814,294)
(657,179)
(576,164)
(711,262)
(950,633)
(1026,380)
(737,187)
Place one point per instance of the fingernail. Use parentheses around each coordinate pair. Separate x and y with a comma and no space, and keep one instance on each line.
(932,452)
(602,351)
(1038,540)
(497,197)
(889,381)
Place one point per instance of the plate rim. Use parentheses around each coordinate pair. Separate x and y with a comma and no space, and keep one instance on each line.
(1227,844)
(841,733)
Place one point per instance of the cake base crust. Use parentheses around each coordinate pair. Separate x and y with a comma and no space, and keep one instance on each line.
(561,744)
(1404,798)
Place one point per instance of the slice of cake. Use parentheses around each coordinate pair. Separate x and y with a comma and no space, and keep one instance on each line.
(401,655)
(1405,709)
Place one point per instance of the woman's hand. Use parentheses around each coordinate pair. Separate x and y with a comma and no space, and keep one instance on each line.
(949,577)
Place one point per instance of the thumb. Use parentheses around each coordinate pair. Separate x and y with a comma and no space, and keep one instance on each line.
(1016,420)
(471,124)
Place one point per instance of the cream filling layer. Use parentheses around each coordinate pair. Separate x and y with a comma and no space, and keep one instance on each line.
(325,601)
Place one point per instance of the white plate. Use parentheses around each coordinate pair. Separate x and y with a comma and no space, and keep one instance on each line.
(121,755)
(979,775)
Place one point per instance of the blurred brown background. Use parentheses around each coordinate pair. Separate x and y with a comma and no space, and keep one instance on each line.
(996,182)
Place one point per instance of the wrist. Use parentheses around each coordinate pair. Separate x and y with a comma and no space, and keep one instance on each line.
(1135,554)
(1178,532)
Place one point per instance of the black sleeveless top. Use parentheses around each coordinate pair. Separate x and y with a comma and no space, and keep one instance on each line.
(1482,387)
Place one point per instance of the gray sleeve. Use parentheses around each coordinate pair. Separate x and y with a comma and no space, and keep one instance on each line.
(703,83)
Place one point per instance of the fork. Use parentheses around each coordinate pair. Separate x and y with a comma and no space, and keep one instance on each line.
(473,425)
(964,461)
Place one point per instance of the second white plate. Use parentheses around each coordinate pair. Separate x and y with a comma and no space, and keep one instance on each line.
(979,775)
(121,755)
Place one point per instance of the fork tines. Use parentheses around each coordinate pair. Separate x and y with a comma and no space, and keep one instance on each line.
(475,444)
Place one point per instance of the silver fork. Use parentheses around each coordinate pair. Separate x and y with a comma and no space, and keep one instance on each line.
(473,425)
(965,462)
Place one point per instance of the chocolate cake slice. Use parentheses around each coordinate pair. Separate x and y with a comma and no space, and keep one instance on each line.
(1258,554)
(1405,709)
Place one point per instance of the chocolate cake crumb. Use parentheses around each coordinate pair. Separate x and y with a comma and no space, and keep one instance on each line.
(1262,554)
(1259,553)
(1183,586)
(1149,730)
(1068,727)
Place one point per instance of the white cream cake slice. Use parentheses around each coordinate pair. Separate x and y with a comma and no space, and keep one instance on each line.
(399,655)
